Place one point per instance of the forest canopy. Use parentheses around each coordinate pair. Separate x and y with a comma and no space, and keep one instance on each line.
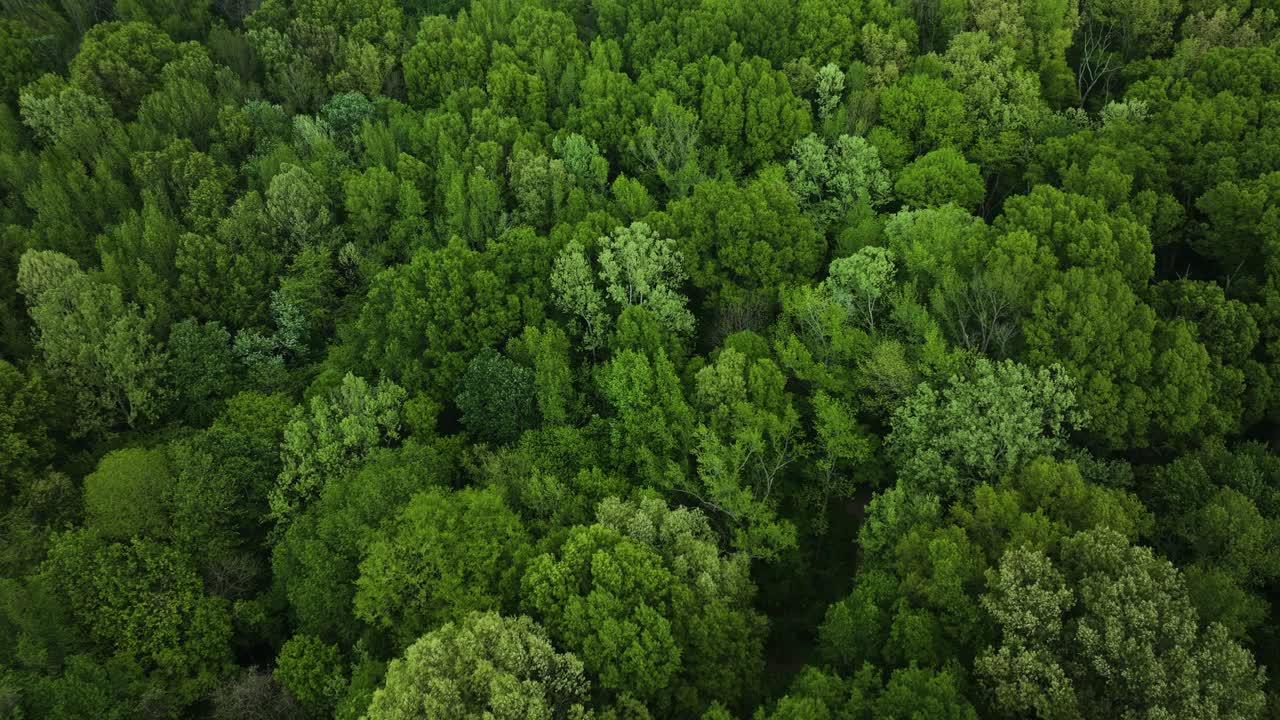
(620,360)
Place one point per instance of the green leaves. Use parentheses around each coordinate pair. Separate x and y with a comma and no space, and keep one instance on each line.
(466,542)
(749,434)
(639,268)
(485,666)
(90,339)
(423,321)
(667,324)
(332,439)
(143,603)
(742,240)
(124,497)
(1114,612)
(983,426)
(608,598)
(835,179)
(577,295)
(496,398)
(940,177)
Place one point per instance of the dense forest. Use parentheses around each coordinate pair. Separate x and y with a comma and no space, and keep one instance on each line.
(639,359)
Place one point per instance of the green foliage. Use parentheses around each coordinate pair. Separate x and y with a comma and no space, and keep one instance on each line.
(93,341)
(835,359)
(638,268)
(201,367)
(832,181)
(982,427)
(721,634)
(651,420)
(425,345)
(749,433)
(940,177)
(317,560)
(142,604)
(312,671)
(123,497)
(485,665)
(25,411)
(467,542)
(332,438)
(1111,609)
(739,240)
(121,62)
(496,397)
(608,598)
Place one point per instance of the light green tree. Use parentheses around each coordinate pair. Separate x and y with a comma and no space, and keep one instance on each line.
(124,497)
(982,426)
(483,666)
(577,296)
(90,339)
(331,437)
(641,268)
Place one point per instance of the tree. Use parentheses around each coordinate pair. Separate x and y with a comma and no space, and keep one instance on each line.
(925,114)
(609,103)
(177,20)
(607,598)
(940,177)
(640,268)
(496,397)
(333,438)
(577,295)
(845,450)
(1133,373)
(1111,629)
(201,368)
(296,202)
(216,499)
(446,56)
(1002,95)
(485,665)
(312,671)
(918,692)
(1081,233)
(721,636)
(546,350)
(25,414)
(652,422)
(741,240)
(317,558)
(121,63)
(748,434)
(466,541)
(861,283)
(1137,29)
(833,180)
(20,63)
(982,426)
(143,603)
(228,275)
(667,145)
(1215,512)
(423,321)
(253,695)
(57,111)
(124,496)
(749,108)
(90,339)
